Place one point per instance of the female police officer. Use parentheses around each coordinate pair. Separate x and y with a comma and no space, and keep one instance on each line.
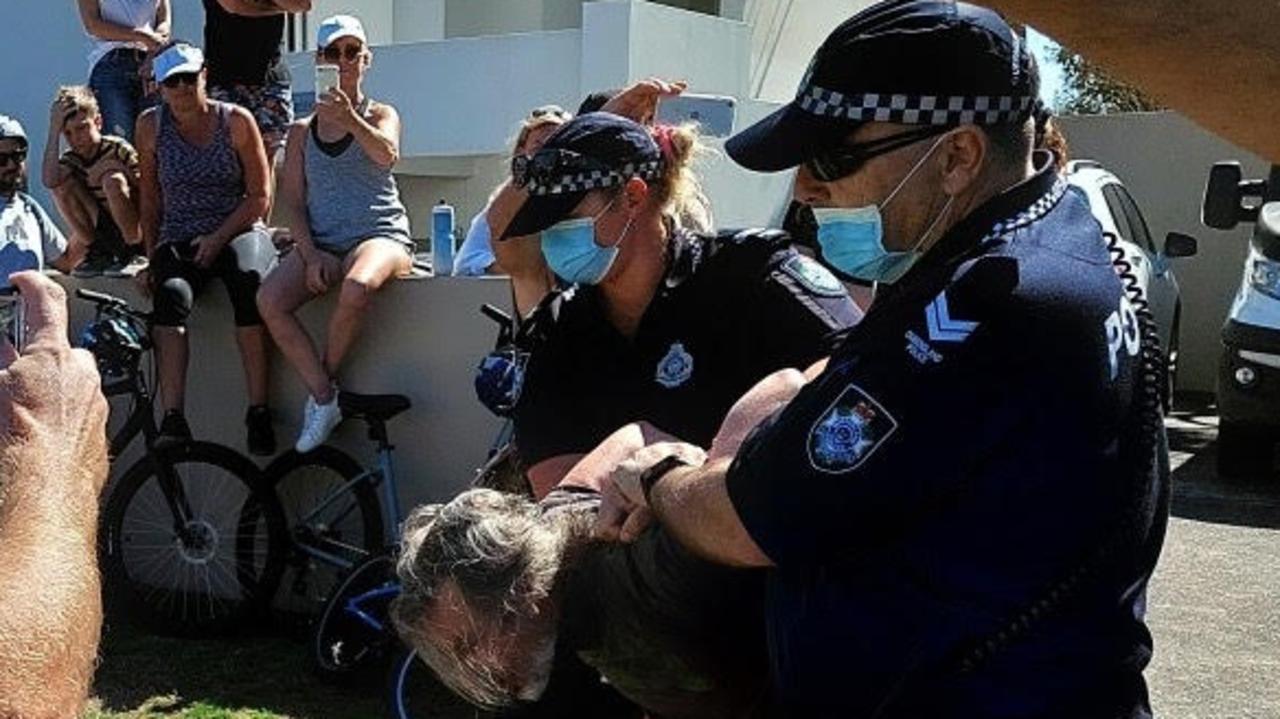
(663,324)
(964,508)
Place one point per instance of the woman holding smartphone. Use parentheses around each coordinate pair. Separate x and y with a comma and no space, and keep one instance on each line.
(343,207)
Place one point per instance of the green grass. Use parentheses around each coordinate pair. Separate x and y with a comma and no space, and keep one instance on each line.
(141,676)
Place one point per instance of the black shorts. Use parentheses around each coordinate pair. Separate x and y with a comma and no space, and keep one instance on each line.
(108,240)
(174,259)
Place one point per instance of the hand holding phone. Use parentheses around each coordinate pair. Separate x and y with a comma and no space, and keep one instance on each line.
(326,79)
(13,319)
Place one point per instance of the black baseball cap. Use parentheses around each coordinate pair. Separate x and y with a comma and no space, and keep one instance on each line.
(590,152)
(911,62)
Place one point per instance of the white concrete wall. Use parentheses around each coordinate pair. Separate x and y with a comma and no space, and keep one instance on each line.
(424,338)
(1164,160)
(784,36)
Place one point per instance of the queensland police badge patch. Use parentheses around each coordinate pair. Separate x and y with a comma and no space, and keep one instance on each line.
(849,432)
(676,368)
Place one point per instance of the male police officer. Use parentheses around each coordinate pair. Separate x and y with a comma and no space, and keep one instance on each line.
(963,509)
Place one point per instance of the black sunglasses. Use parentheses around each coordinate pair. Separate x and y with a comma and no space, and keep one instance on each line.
(350,53)
(181,78)
(845,160)
(16,157)
(548,165)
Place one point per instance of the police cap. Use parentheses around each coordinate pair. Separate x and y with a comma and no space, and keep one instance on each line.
(910,62)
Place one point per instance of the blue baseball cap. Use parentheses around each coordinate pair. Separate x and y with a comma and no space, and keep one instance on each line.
(911,62)
(179,58)
(590,152)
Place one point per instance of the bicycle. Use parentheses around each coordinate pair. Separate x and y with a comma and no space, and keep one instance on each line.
(347,529)
(178,556)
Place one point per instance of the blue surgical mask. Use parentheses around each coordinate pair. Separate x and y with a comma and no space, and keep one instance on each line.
(852,239)
(572,253)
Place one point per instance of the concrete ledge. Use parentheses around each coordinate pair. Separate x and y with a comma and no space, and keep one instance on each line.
(423,338)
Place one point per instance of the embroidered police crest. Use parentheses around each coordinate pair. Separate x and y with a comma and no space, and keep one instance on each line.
(849,432)
(676,368)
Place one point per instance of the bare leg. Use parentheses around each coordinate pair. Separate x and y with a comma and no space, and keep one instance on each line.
(253,355)
(369,266)
(171,363)
(282,293)
(123,206)
(80,212)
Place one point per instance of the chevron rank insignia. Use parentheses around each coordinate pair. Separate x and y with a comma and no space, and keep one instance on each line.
(942,326)
(849,432)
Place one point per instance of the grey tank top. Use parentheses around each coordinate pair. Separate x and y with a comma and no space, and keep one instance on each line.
(200,185)
(350,198)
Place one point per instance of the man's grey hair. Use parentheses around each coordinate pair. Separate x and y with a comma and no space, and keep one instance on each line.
(503,556)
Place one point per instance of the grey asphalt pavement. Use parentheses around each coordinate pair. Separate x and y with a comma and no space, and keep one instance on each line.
(1214,604)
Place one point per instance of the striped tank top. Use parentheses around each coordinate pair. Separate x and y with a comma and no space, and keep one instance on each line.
(200,186)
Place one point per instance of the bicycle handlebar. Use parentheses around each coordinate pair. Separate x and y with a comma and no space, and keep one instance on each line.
(496,314)
(112,303)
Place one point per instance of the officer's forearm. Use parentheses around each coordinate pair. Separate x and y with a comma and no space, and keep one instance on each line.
(693,505)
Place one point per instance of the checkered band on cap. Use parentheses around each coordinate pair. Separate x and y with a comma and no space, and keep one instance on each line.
(915,109)
(594,179)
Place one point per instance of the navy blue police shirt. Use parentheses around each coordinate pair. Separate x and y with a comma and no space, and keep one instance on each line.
(731,309)
(956,529)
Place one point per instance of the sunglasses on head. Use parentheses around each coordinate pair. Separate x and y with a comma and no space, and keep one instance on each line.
(180,78)
(15,157)
(548,111)
(842,161)
(350,53)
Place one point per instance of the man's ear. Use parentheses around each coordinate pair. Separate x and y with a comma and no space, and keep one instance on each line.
(636,192)
(964,154)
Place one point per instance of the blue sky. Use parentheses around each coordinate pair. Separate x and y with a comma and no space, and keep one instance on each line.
(1050,71)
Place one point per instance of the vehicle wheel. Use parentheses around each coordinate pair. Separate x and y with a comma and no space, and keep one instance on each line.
(191,543)
(1244,451)
(349,527)
(346,646)
(413,692)
(1171,362)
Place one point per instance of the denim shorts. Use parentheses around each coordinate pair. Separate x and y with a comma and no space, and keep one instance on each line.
(115,82)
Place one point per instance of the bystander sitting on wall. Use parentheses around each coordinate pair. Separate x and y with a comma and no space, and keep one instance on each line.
(28,238)
(94,183)
(203,194)
(475,257)
(351,231)
(124,32)
(53,465)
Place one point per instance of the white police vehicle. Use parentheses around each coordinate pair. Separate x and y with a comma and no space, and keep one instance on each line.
(1249,371)
(1120,217)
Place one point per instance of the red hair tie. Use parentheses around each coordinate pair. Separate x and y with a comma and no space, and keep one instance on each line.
(662,135)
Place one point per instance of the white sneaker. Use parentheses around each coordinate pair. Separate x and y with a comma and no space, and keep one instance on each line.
(318,420)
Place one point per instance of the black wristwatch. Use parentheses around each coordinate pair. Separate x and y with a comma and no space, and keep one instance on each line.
(651,475)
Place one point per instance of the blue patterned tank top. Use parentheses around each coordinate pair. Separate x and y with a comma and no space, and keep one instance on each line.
(200,185)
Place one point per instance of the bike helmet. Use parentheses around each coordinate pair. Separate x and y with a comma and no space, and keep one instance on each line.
(115,343)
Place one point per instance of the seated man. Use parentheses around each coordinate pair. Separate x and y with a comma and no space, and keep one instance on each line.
(28,238)
(494,585)
(203,192)
(95,184)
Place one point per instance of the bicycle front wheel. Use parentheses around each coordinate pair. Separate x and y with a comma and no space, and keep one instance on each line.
(354,630)
(346,526)
(191,542)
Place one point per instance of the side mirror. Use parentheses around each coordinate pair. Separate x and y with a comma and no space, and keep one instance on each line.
(1221,207)
(1177,244)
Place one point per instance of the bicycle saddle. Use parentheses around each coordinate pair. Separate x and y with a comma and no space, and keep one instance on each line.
(376,407)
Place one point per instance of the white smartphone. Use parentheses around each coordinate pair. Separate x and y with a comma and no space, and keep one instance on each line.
(13,319)
(326,79)
(713,113)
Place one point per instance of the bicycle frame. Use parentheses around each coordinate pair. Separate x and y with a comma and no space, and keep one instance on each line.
(354,605)
(389,503)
